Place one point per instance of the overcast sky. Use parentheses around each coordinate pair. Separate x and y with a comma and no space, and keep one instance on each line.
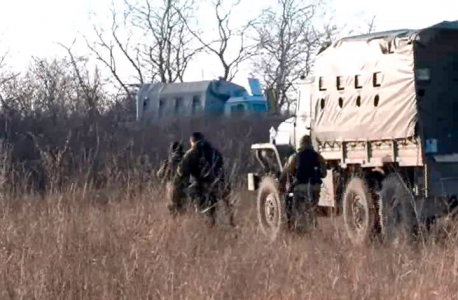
(33,27)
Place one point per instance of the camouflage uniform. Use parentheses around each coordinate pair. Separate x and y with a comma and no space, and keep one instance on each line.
(170,165)
(200,176)
(304,169)
(168,168)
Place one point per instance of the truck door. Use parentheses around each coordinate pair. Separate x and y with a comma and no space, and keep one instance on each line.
(303,110)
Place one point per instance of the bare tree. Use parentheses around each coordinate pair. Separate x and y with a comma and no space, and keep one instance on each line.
(168,42)
(227,36)
(288,39)
(154,41)
(88,87)
(6,78)
(371,25)
(2,61)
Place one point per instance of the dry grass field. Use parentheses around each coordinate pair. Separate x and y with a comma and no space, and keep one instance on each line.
(117,246)
(82,215)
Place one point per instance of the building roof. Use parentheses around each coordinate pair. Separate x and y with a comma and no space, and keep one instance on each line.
(185,87)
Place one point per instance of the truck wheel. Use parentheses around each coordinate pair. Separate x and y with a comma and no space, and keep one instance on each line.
(271,211)
(396,210)
(358,211)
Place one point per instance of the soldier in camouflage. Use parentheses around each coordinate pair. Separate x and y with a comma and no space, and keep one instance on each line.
(200,176)
(170,165)
(168,168)
(305,169)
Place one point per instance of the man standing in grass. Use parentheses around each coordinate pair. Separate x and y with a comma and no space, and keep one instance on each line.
(168,169)
(170,165)
(200,176)
(306,168)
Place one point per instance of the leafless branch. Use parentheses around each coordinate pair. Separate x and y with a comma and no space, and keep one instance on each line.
(226,36)
(287,40)
(371,26)
(90,89)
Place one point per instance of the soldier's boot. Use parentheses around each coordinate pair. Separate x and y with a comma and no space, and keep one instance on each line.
(210,211)
(289,211)
(177,197)
(310,218)
(231,219)
(176,208)
(311,208)
(211,216)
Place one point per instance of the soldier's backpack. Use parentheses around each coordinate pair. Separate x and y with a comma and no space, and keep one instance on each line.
(211,163)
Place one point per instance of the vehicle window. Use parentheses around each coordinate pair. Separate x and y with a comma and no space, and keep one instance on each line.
(259,107)
(196,104)
(358,82)
(340,83)
(377,79)
(321,84)
(178,104)
(161,108)
(238,109)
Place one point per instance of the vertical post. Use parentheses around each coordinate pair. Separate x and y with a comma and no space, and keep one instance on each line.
(343,153)
(368,152)
(394,145)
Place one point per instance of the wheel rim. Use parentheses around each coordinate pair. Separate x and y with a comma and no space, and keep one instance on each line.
(271,210)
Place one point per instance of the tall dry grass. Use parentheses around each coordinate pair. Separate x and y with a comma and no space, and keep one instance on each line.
(98,228)
(115,245)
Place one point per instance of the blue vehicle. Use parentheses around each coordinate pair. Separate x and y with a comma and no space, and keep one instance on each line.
(216,98)
(252,105)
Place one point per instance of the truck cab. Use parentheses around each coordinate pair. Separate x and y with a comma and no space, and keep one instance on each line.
(291,130)
(247,105)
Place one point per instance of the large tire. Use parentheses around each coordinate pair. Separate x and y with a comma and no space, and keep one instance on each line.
(398,218)
(358,212)
(270,209)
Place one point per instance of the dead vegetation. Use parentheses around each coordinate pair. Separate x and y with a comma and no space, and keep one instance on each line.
(100,230)
(70,246)
(82,217)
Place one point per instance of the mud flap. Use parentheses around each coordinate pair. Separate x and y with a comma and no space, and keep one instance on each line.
(253,182)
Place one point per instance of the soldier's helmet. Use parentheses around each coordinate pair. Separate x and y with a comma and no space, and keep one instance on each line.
(197,136)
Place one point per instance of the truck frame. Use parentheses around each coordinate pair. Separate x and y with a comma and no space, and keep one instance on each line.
(380,110)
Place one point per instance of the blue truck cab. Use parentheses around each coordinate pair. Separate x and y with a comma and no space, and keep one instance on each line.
(247,105)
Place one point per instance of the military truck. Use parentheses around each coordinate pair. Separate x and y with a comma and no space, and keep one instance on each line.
(382,110)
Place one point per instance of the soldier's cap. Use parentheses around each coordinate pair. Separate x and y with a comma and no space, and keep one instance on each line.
(197,136)
(305,140)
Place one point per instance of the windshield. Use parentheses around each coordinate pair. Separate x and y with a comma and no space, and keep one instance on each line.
(237,110)
(259,107)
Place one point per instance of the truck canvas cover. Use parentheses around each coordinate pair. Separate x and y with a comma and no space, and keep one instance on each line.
(366,86)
